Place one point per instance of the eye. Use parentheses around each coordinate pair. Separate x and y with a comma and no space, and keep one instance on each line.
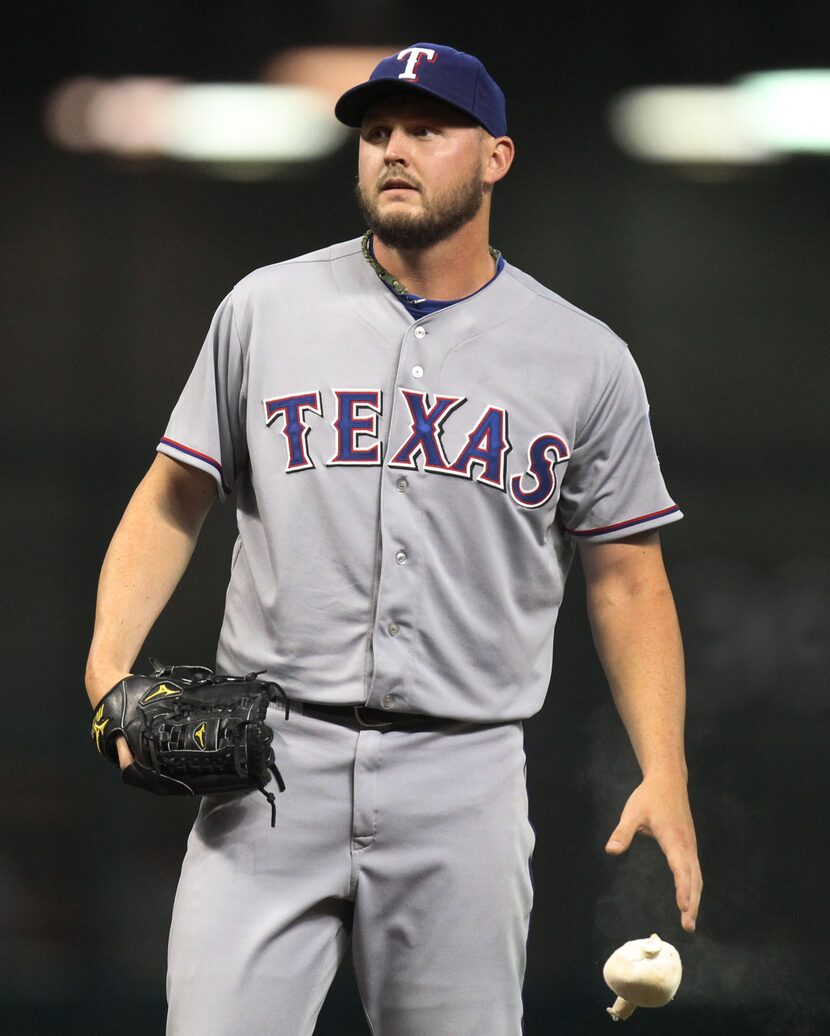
(374,134)
(425,131)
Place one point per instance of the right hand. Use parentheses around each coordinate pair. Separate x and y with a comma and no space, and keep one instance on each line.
(659,807)
(97,685)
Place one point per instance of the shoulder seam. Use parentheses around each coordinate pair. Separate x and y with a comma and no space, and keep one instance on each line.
(536,290)
(318,259)
(309,258)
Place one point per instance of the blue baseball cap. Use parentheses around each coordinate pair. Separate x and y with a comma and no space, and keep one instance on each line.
(449,75)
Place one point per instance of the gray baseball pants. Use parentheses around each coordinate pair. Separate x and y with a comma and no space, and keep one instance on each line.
(413,844)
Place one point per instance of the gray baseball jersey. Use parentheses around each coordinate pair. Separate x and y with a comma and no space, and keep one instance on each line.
(410,490)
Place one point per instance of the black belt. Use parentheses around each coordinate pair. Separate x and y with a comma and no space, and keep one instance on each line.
(359,717)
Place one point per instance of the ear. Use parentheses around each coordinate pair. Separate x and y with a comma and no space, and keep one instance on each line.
(500,152)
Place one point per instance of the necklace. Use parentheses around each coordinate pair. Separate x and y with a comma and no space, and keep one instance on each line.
(388,278)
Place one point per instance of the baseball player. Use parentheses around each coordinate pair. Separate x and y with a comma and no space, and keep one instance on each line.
(419,436)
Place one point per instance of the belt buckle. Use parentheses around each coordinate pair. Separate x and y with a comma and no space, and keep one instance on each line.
(358,709)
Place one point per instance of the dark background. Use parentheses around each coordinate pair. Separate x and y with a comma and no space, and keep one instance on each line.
(110,274)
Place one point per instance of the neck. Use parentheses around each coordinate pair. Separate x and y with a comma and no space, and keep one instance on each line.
(451,269)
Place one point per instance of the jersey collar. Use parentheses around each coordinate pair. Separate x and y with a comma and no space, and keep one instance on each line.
(391,281)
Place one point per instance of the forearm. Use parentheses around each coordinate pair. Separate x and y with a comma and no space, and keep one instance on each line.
(638,641)
(637,637)
(147,557)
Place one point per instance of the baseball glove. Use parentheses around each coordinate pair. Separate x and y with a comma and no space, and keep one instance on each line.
(192,731)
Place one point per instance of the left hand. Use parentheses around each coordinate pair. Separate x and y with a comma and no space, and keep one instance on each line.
(659,807)
(98,684)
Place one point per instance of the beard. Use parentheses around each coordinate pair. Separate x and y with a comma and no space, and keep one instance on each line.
(436,221)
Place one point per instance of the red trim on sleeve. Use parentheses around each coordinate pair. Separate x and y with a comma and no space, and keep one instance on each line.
(200,456)
(625,524)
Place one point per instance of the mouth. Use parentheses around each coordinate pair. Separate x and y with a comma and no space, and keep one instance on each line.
(395,183)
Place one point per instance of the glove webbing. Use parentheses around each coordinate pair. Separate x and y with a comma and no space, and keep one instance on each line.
(199,676)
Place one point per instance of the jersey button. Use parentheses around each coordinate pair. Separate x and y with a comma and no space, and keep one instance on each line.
(388,701)
(393,629)
(419,332)
(402,485)
(417,371)
(401,557)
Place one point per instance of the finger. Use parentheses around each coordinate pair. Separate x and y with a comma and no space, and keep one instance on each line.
(686,871)
(682,871)
(622,835)
(689,918)
(125,756)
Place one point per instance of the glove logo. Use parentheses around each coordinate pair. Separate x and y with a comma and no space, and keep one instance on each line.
(98,727)
(162,691)
(199,736)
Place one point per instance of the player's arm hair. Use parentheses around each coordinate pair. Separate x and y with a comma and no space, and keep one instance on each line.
(637,637)
(147,557)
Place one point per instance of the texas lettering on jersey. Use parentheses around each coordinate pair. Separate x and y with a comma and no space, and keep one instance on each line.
(483,458)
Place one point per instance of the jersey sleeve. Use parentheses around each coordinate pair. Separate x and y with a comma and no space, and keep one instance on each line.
(206,428)
(613,486)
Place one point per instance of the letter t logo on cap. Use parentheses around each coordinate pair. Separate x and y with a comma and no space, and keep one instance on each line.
(415,55)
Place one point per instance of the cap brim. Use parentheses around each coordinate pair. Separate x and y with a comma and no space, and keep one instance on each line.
(352,106)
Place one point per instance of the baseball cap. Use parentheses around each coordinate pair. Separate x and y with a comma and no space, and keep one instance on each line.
(450,75)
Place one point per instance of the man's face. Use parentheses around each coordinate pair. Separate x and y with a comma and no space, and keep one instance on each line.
(420,170)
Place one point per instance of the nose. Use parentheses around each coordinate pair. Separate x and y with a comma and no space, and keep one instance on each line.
(396,149)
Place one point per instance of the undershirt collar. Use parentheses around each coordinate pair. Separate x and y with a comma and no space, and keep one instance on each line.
(415,304)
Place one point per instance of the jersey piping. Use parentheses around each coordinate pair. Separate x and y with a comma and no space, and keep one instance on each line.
(674,509)
(190,452)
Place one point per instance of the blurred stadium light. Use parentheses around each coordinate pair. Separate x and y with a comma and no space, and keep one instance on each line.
(249,123)
(263,128)
(125,116)
(233,123)
(789,110)
(331,70)
(232,129)
(685,124)
(758,118)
